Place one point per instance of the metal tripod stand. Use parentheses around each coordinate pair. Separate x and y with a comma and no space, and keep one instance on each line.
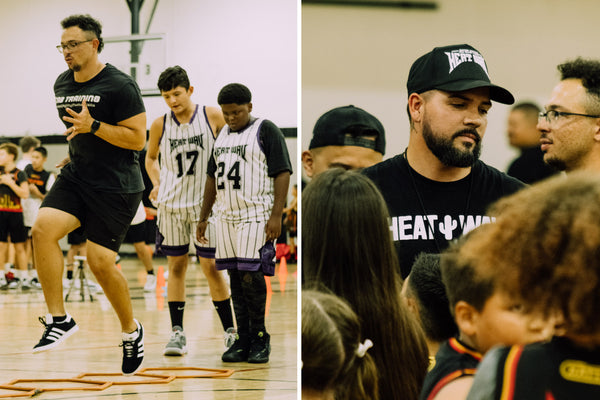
(80,276)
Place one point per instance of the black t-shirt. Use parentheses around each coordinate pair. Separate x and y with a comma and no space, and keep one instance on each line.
(452,361)
(38,178)
(419,206)
(556,370)
(111,96)
(530,167)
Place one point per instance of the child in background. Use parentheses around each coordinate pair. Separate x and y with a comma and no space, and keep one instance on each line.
(426,297)
(544,247)
(40,181)
(486,314)
(347,248)
(335,359)
(13,188)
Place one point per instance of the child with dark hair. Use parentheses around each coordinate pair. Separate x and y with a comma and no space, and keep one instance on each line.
(40,181)
(543,248)
(183,140)
(336,363)
(13,188)
(247,181)
(487,315)
(425,295)
(347,248)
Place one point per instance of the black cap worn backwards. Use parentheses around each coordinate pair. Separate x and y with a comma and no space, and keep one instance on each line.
(348,126)
(454,69)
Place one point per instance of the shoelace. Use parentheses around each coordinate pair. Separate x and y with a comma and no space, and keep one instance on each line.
(175,335)
(43,321)
(127,346)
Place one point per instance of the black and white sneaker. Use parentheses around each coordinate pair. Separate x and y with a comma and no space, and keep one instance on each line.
(55,332)
(133,350)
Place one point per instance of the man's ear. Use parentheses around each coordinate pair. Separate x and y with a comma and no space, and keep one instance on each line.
(415,107)
(465,316)
(307,163)
(597,131)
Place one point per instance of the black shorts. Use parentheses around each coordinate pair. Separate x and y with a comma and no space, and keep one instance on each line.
(77,236)
(150,231)
(11,223)
(104,216)
(136,233)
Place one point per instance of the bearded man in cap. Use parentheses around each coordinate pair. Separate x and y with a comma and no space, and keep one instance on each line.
(438,189)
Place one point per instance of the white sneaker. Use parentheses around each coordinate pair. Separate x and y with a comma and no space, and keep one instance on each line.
(150,285)
(25,284)
(14,283)
(177,345)
(35,283)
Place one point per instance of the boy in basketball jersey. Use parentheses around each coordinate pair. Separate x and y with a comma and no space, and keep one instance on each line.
(248,178)
(486,315)
(13,188)
(184,139)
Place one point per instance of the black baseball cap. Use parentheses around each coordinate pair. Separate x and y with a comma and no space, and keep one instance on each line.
(454,69)
(347,126)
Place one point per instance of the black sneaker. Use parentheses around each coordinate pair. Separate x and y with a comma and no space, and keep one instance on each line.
(238,352)
(133,351)
(55,332)
(260,348)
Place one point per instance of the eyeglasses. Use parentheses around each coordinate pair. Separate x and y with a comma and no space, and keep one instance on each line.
(72,45)
(553,115)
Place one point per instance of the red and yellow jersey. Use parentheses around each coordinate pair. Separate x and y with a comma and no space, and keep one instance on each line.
(9,200)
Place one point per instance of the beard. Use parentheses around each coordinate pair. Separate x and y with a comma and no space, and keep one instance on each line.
(555,163)
(450,154)
(76,67)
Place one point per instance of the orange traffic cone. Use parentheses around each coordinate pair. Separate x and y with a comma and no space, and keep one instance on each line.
(160,277)
(282,274)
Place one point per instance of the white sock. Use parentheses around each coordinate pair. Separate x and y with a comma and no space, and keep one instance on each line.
(133,335)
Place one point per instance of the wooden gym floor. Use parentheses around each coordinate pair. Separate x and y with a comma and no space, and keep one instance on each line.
(95,347)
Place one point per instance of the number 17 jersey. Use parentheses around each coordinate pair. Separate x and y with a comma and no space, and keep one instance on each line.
(184,153)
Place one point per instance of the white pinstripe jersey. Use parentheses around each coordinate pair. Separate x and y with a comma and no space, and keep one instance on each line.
(244,188)
(184,153)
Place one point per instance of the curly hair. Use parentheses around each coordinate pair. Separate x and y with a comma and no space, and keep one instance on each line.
(330,337)
(86,23)
(588,71)
(544,247)
(347,248)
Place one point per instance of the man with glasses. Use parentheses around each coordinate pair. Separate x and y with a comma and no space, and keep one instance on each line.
(99,186)
(571,124)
